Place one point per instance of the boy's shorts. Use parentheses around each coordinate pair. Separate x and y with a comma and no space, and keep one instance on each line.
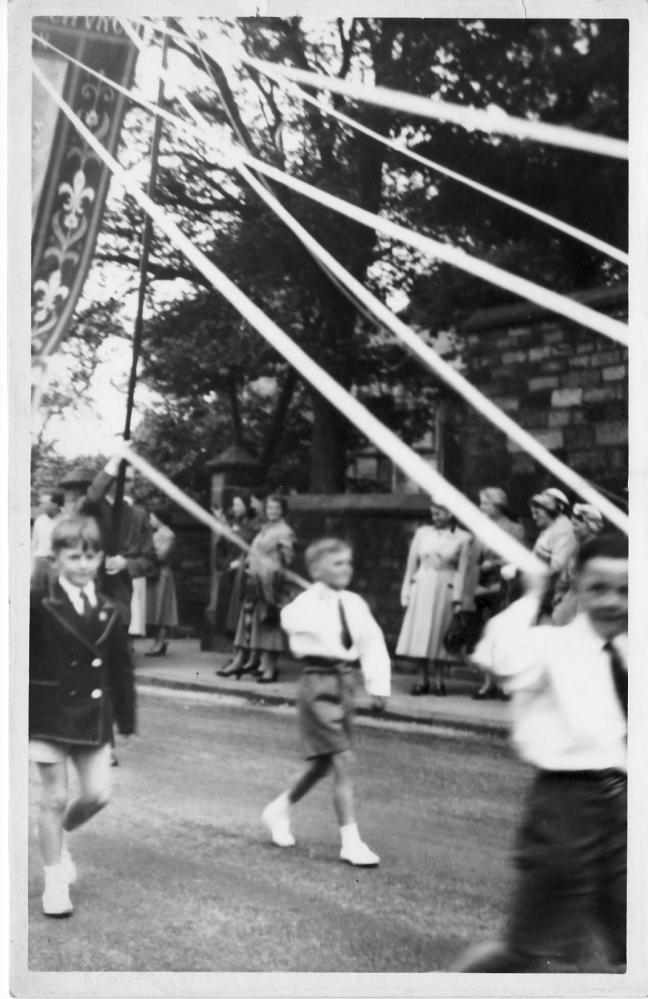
(325,712)
(42,751)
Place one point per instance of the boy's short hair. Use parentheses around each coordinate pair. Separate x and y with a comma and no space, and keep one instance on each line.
(75,530)
(602,546)
(317,550)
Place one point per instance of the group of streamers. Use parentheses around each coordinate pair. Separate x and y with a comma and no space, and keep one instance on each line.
(384,439)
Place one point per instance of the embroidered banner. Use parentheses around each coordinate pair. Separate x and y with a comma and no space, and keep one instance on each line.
(69,182)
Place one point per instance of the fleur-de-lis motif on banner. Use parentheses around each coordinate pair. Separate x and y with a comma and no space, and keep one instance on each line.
(67,213)
(77,193)
(49,291)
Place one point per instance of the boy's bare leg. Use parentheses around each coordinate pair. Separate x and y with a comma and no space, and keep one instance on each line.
(353,850)
(54,792)
(342,787)
(316,771)
(93,767)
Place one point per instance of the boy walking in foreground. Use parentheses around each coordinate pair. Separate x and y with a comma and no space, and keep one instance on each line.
(570,706)
(329,629)
(80,679)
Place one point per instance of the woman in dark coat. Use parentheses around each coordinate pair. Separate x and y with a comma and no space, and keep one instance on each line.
(241,522)
(161,602)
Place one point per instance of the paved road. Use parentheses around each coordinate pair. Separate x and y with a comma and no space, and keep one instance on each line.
(177,873)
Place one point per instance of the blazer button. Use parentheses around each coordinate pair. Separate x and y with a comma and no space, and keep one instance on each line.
(96,694)
(75,662)
(96,662)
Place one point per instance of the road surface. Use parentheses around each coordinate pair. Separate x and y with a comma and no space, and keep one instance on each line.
(177,874)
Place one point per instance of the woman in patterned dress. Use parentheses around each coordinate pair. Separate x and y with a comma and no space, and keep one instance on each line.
(440,580)
(267,591)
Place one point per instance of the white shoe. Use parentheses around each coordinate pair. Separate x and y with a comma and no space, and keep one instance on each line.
(276,818)
(56,897)
(359,855)
(68,865)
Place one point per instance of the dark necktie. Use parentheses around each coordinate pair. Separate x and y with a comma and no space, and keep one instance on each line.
(87,606)
(347,641)
(619,676)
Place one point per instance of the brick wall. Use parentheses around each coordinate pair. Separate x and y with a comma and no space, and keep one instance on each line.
(563,383)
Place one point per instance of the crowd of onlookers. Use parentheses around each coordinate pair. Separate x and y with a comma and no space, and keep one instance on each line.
(452,583)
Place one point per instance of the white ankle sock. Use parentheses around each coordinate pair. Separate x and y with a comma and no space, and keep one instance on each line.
(53,872)
(349,834)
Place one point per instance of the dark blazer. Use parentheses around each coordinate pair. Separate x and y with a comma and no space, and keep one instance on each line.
(135,542)
(80,671)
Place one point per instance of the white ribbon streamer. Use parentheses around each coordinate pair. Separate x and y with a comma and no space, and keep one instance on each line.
(383,438)
(543,297)
(495,121)
(421,350)
(535,213)
(161,482)
(232,158)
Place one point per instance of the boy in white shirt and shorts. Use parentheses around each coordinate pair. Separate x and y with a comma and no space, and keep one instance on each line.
(329,630)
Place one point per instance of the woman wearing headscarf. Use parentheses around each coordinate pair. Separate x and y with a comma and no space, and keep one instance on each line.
(555,541)
(587,522)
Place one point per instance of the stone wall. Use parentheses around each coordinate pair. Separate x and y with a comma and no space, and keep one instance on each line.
(379,527)
(565,384)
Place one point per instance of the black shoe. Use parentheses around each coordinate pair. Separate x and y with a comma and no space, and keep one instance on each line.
(484,695)
(228,670)
(114,762)
(439,690)
(419,689)
(269,679)
(159,651)
(248,667)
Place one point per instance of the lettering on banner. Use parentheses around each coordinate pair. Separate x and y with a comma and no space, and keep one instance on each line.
(100,25)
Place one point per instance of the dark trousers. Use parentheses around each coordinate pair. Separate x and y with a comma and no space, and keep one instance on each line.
(571,863)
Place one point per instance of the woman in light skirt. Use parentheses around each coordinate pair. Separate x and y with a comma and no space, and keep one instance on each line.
(440,580)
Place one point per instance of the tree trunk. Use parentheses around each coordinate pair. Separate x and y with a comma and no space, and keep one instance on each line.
(237,426)
(277,423)
(328,455)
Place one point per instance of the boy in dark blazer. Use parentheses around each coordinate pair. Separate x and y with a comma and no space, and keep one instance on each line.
(80,683)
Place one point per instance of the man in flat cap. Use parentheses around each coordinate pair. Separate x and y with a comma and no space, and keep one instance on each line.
(74,486)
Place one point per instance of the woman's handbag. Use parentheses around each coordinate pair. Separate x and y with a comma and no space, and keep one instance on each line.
(457,633)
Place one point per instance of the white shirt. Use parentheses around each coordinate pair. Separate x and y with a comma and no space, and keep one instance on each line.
(42,536)
(74,593)
(313,625)
(566,713)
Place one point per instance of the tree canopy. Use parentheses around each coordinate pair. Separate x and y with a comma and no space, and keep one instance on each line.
(219,382)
